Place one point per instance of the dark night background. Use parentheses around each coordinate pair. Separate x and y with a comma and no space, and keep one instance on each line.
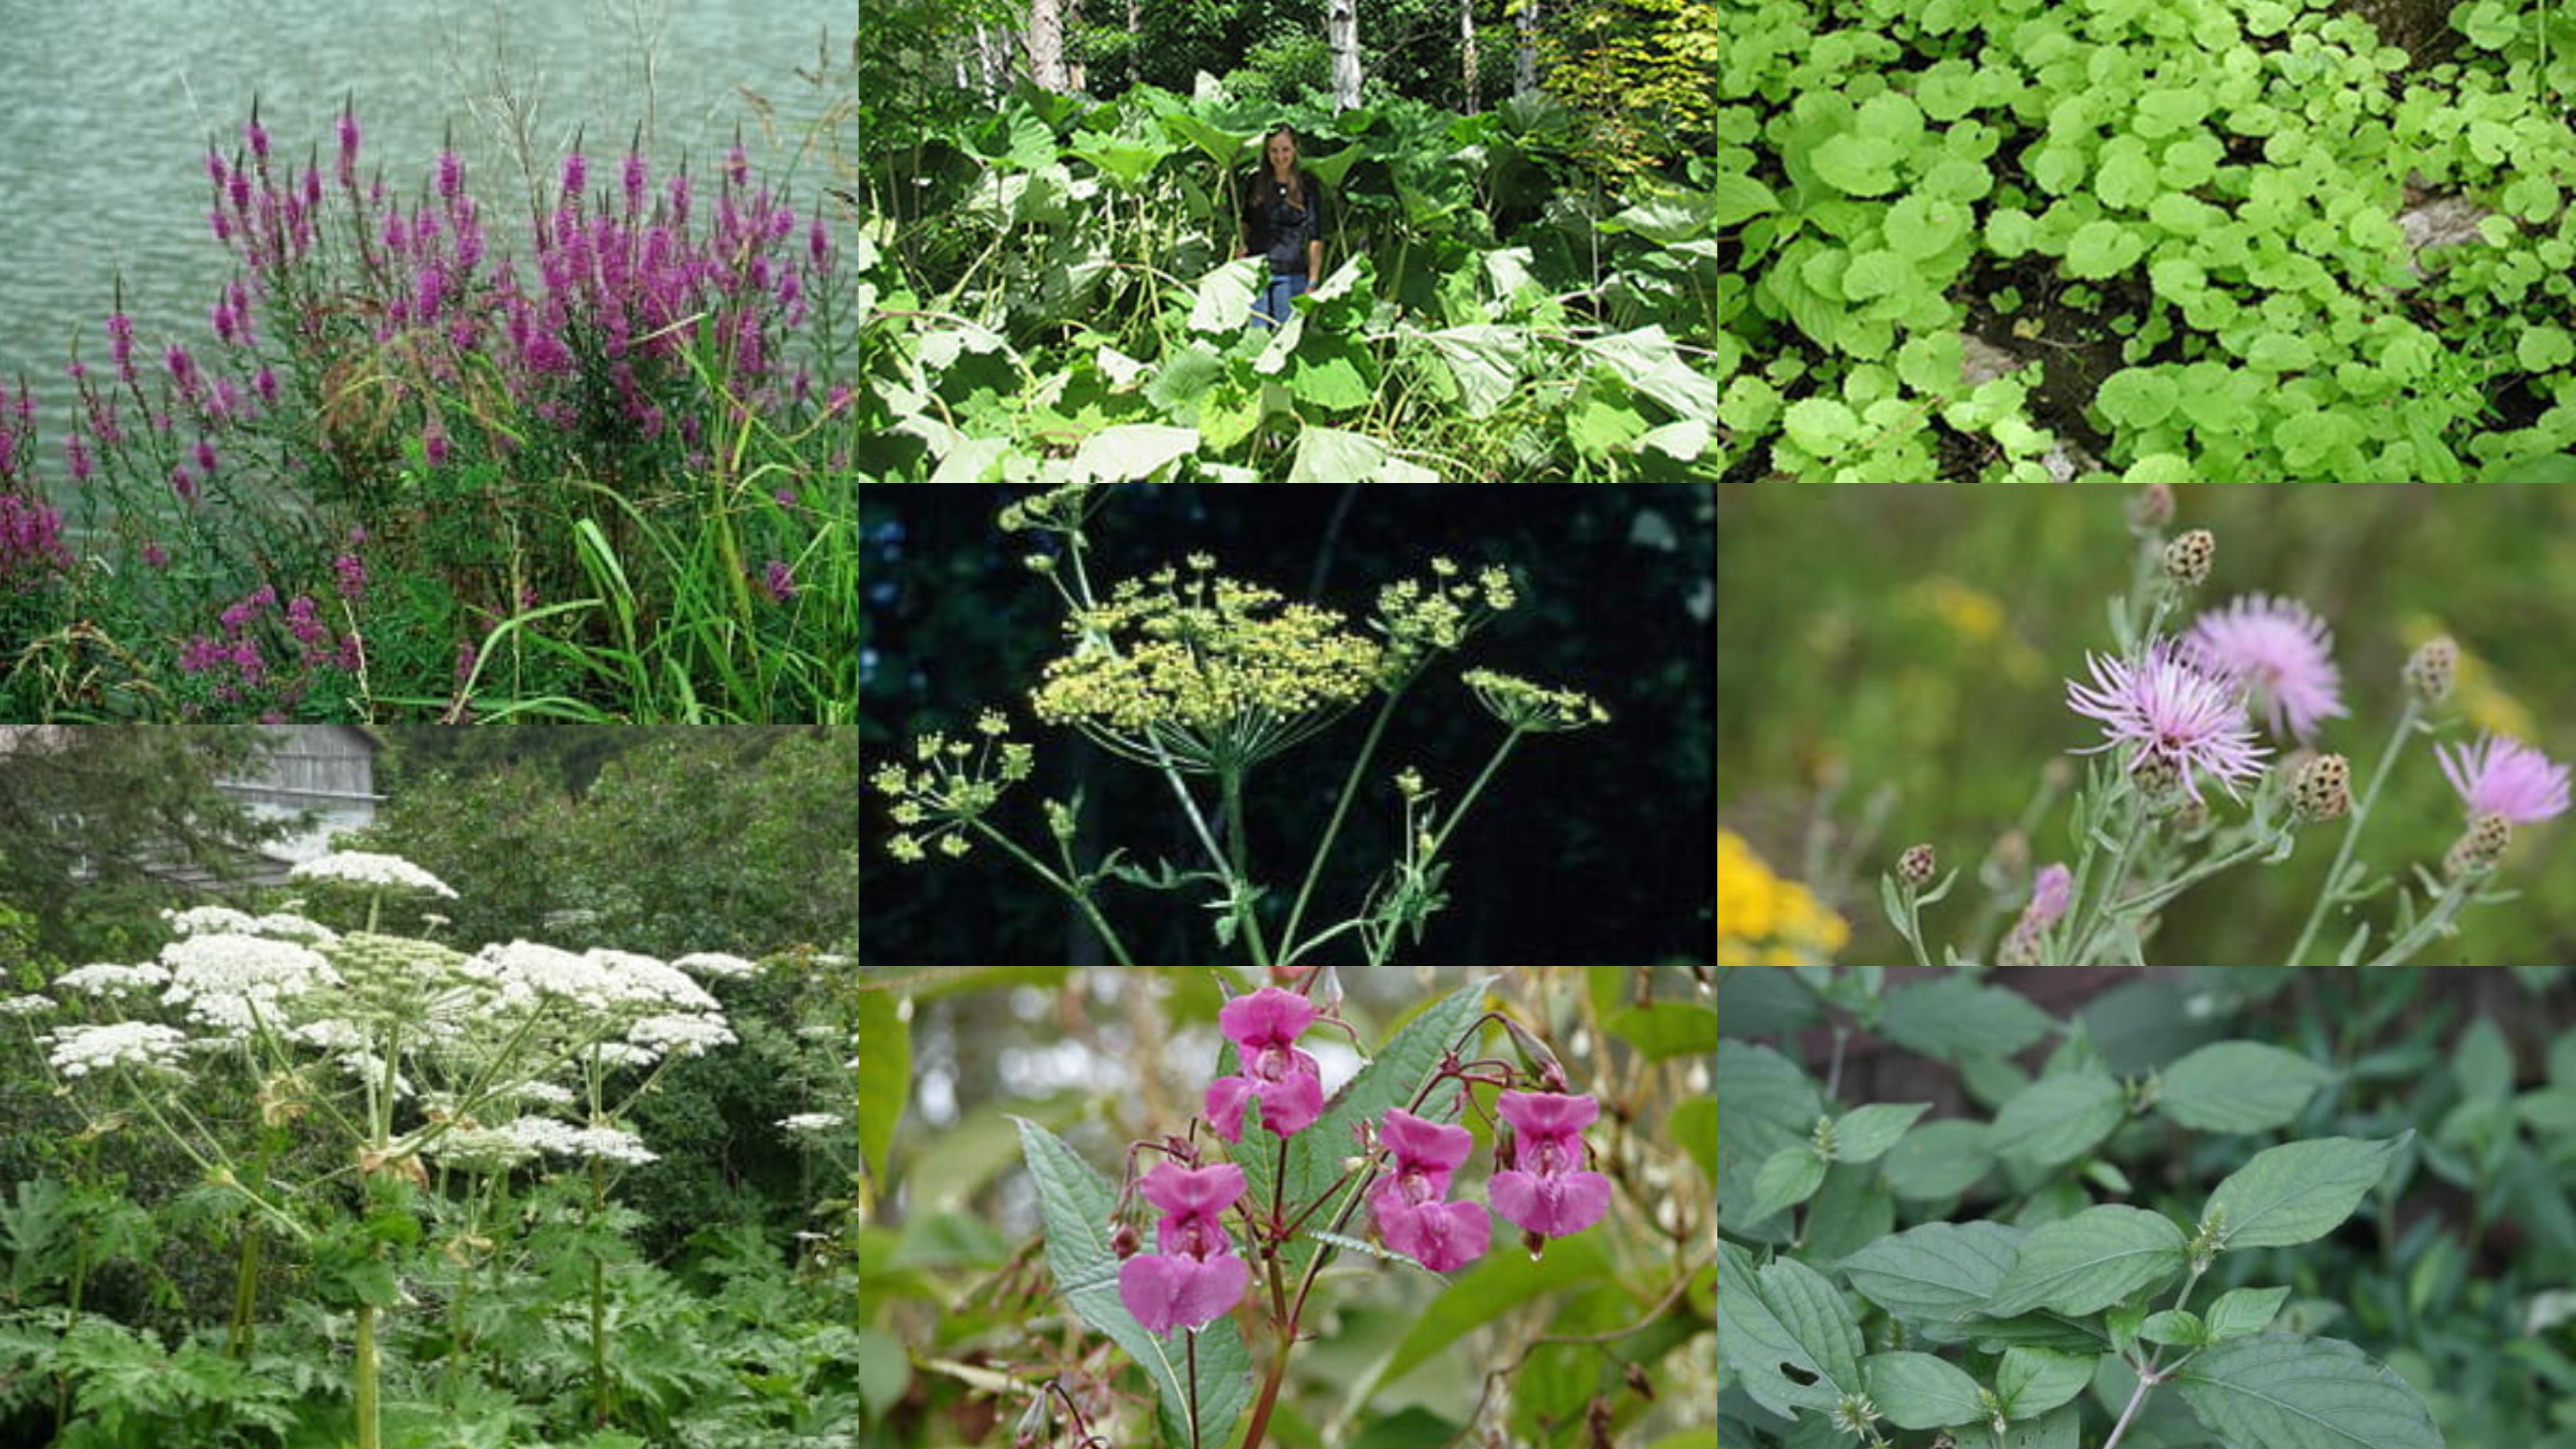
(1596,847)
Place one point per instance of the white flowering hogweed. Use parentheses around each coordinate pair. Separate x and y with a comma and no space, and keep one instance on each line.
(2183,708)
(1201,678)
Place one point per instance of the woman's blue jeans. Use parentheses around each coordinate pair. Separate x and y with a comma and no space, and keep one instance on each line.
(1271,308)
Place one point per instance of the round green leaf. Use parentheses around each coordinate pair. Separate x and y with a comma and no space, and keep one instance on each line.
(2126,176)
(2101,248)
(1919,226)
(2544,349)
(1857,165)
(1823,426)
(2137,397)
(1878,273)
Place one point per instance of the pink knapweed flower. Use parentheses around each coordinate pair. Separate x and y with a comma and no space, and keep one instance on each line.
(1288,1082)
(2279,650)
(2173,714)
(1547,1193)
(1408,1205)
(2500,776)
(1195,1278)
(2050,895)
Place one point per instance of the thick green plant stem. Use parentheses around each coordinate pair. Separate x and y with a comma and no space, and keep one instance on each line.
(1333,827)
(2090,913)
(1241,883)
(600,1405)
(2328,892)
(363,1391)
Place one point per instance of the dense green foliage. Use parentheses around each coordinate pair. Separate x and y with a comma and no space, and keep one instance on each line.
(2015,1260)
(2225,240)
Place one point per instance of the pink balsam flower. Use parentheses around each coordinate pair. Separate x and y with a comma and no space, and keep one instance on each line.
(1195,1278)
(2500,776)
(2279,650)
(2173,715)
(1288,1082)
(1547,1193)
(1408,1206)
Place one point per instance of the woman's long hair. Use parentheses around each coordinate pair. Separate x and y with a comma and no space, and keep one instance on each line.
(1300,184)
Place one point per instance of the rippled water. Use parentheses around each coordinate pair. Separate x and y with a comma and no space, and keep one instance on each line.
(107,107)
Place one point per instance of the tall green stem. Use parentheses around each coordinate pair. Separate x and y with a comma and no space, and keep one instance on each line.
(1081,898)
(598,1298)
(2332,890)
(365,1389)
(1245,909)
(2091,913)
(1333,828)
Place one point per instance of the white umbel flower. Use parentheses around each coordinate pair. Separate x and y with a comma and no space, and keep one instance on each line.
(234,981)
(562,1139)
(105,978)
(365,867)
(680,1036)
(81,1050)
(716,965)
(26,1005)
(810,1122)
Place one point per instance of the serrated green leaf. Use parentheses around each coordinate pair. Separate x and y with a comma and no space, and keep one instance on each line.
(1951,1016)
(2090,1261)
(1789,1177)
(2238,1086)
(2056,1431)
(1919,1391)
(1075,1203)
(2299,1191)
(1939,1159)
(2032,1381)
(2240,1311)
(2055,1120)
(1785,1316)
(1936,1273)
(1865,1134)
(2283,1392)
(2174,1326)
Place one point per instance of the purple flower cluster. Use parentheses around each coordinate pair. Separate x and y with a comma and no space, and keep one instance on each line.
(2174,716)
(32,552)
(1195,1278)
(265,655)
(2500,776)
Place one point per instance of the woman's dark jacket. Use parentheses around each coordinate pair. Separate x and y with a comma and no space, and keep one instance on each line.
(1278,228)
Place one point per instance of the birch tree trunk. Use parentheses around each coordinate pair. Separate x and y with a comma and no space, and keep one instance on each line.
(1135,37)
(1467,51)
(1525,62)
(1046,44)
(1342,31)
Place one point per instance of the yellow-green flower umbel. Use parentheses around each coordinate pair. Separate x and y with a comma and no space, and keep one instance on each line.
(1531,708)
(1204,672)
(951,783)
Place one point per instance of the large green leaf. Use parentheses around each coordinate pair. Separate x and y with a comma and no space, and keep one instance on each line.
(1225,296)
(884,1077)
(2299,1191)
(1131,451)
(1486,361)
(1953,1016)
(1936,1273)
(1502,1281)
(2057,1119)
(2285,1392)
(2090,1261)
(1919,1391)
(1785,1331)
(1075,1204)
(2238,1086)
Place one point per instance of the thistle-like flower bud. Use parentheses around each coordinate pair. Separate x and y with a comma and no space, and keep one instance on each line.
(2187,558)
(2155,775)
(2480,847)
(2430,669)
(2322,790)
(1914,868)
(2151,508)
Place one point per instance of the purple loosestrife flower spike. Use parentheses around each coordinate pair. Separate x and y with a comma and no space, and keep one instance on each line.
(2499,776)
(1546,1192)
(2171,714)
(2278,649)
(1195,1278)
(1408,1206)
(1289,1082)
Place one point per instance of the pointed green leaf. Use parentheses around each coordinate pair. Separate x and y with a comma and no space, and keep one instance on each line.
(1790,1177)
(1937,1273)
(2238,1086)
(1918,1391)
(2032,1381)
(2057,1431)
(2240,1311)
(2090,1261)
(884,1076)
(2284,1392)
(2055,1120)
(1864,1134)
(1075,1203)
(1785,1319)
(1939,1159)
(2179,1327)
(1952,1016)
(2299,1191)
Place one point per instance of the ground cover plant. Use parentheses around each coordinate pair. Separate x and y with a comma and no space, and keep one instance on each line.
(2224,240)
(2206,766)
(1219,769)
(445,465)
(2001,1254)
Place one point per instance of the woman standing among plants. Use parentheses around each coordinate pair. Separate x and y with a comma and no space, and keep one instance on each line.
(1283,223)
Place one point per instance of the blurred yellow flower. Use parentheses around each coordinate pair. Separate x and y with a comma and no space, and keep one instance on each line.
(1978,618)
(1763,920)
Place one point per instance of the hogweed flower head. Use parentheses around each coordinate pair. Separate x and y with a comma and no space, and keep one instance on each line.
(2505,777)
(1204,672)
(949,786)
(1532,708)
(2281,652)
(2172,714)
(1423,618)
(2431,668)
(1062,510)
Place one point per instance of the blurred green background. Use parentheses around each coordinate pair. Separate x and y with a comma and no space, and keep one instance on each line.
(1892,668)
